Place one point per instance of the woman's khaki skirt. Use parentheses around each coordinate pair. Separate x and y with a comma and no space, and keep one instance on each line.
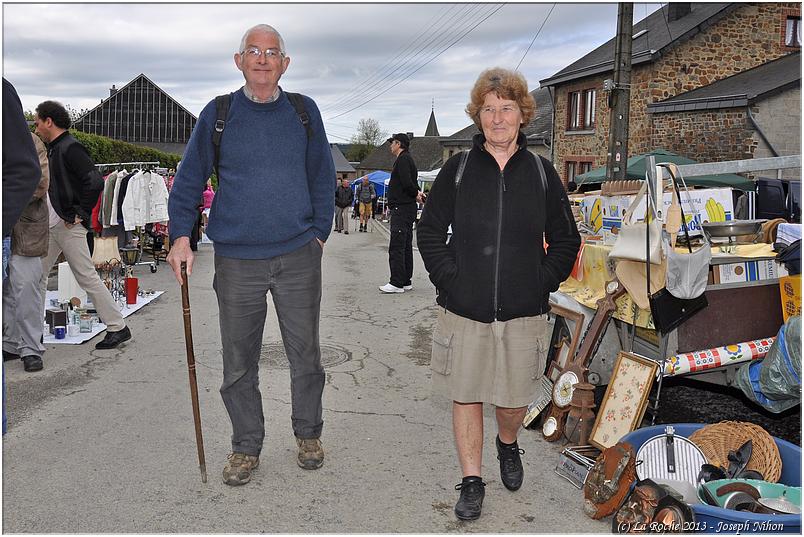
(498,363)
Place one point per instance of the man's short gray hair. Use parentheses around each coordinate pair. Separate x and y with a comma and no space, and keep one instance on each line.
(266,29)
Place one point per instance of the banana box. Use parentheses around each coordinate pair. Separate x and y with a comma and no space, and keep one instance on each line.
(605,213)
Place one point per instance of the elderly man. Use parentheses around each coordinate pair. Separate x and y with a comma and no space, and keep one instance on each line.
(343,200)
(263,242)
(366,194)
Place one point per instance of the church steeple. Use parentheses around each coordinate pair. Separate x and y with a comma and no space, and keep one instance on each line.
(432,128)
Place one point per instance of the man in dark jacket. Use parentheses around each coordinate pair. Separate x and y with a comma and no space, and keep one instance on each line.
(403,193)
(343,200)
(23,298)
(75,186)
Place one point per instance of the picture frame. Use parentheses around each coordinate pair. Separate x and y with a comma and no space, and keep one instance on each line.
(625,400)
(565,352)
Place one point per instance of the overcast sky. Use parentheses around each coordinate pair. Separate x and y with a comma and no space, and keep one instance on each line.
(342,55)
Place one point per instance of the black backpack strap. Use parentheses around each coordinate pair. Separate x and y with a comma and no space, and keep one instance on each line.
(221,113)
(461,167)
(298,104)
(535,159)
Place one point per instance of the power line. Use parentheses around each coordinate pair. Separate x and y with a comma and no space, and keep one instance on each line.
(463,19)
(390,62)
(421,66)
(534,37)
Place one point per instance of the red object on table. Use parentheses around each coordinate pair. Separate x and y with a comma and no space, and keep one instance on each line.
(132,285)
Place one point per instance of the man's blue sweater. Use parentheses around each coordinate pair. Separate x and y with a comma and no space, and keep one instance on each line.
(275,186)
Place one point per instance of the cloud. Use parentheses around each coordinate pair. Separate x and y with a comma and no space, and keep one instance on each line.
(341,54)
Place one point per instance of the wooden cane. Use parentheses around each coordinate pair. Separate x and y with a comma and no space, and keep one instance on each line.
(188,339)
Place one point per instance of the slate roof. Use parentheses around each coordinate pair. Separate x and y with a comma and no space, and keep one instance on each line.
(538,130)
(660,35)
(341,164)
(432,127)
(425,150)
(738,90)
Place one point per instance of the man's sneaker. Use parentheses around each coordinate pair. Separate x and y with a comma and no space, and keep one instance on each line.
(238,470)
(32,363)
(311,453)
(470,502)
(511,471)
(346,232)
(388,288)
(113,339)
(407,287)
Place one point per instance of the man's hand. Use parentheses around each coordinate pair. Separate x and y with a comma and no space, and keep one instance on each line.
(180,251)
(77,220)
(420,197)
(321,243)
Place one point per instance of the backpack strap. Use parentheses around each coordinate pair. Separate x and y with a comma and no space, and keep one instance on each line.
(298,104)
(221,112)
(542,174)
(461,167)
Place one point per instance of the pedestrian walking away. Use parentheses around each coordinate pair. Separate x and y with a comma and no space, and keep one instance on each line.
(74,189)
(343,200)
(263,242)
(494,277)
(366,194)
(403,194)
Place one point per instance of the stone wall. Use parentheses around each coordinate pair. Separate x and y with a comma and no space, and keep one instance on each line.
(746,37)
(779,117)
(706,136)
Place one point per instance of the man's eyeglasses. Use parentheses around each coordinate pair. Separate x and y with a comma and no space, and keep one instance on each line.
(270,53)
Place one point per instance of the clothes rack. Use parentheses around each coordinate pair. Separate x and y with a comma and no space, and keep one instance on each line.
(136,163)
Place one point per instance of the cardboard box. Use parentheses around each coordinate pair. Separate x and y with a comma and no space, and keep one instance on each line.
(748,271)
(790,289)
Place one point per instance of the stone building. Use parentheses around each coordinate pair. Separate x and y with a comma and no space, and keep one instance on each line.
(140,113)
(677,49)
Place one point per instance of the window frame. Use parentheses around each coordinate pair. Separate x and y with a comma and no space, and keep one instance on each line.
(582,109)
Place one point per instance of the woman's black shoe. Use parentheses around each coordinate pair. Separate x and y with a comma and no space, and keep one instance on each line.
(511,471)
(32,363)
(471,501)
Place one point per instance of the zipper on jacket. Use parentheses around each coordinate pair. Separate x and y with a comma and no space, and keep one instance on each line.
(500,190)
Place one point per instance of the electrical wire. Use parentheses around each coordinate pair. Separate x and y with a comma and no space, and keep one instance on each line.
(421,66)
(535,36)
(460,21)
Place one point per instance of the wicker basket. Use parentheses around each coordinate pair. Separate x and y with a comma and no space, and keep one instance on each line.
(718,439)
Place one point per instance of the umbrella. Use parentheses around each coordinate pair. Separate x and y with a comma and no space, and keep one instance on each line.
(636,170)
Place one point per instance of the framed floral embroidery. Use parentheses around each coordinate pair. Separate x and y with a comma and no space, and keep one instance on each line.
(626,398)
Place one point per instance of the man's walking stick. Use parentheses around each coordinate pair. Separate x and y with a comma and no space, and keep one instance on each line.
(188,339)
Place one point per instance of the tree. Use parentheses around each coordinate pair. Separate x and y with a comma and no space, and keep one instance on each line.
(369,136)
(75,114)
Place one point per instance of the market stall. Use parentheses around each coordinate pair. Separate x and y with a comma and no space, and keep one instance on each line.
(714,298)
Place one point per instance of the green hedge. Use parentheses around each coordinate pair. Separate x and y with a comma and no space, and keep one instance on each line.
(105,150)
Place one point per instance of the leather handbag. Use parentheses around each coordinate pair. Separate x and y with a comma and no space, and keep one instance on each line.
(633,236)
(687,274)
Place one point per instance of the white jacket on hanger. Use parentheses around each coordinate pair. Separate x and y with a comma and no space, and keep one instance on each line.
(145,201)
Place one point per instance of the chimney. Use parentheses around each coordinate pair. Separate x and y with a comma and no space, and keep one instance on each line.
(678,10)
(112,90)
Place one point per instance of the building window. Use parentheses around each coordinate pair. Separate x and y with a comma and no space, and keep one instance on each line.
(792,34)
(576,167)
(581,109)
(571,173)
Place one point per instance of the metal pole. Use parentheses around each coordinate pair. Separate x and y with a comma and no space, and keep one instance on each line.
(188,339)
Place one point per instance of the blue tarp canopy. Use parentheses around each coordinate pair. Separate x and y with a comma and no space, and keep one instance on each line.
(378,178)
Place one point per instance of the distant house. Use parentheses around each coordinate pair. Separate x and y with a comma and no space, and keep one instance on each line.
(426,152)
(343,170)
(677,49)
(538,131)
(141,113)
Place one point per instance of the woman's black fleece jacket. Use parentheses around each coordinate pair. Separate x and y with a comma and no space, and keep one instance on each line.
(495,266)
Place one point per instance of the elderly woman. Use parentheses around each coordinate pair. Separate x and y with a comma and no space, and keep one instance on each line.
(513,241)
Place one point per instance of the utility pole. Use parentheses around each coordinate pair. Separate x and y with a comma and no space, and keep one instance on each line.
(620,94)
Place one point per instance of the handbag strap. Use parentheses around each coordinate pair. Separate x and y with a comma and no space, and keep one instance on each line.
(631,208)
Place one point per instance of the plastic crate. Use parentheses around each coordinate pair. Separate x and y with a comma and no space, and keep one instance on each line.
(711,519)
